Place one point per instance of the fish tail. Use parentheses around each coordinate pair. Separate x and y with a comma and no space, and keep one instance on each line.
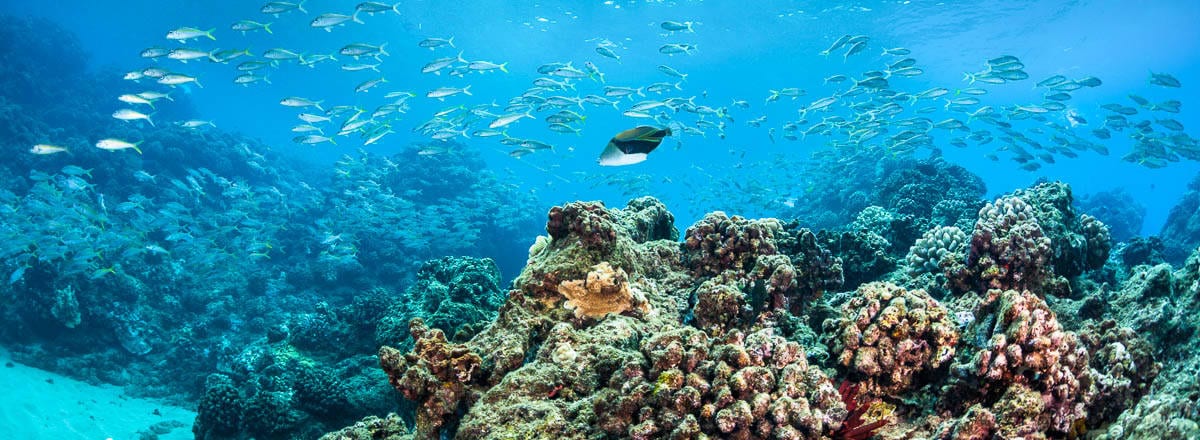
(209,34)
(450,41)
(197,81)
(266,27)
(300,7)
(148,119)
(467,90)
(460,57)
(354,18)
(504,67)
(331,141)
(396,7)
(381,51)
(136,146)
(266,80)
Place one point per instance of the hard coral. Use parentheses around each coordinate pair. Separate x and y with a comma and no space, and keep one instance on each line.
(718,243)
(1025,345)
(888,336)
(436,375)
(1008,249)
(605,290)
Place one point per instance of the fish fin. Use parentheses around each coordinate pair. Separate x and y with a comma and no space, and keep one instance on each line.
(381,51)
(209,34)
(354,18)
(504,67)
(299,6)
(148,119)
(197,81)
(396,7)
(450,41)
(467,90)
(266,27)
(135,148)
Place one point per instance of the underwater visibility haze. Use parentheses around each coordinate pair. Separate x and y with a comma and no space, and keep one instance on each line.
(605,219)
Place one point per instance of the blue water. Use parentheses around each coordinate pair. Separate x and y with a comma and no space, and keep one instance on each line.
(742,53)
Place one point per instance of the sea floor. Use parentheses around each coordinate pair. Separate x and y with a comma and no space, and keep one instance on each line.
(38,404)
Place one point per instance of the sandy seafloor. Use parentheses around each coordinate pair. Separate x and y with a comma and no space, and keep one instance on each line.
(37,404)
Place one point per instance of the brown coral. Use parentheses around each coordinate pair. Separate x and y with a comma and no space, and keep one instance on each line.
(605,290)
(436,375)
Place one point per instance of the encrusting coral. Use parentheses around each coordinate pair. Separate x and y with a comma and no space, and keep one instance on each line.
(605,290)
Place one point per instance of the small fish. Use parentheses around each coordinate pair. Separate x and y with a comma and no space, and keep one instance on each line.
(196,123)
(244,26)
(311,118)
(1164,80)
(358,67)
(134,76)
(505,120)
(246,79)
(298,102)
(250,66)
(113,144)
(484,66)
(135,99)
(279,54)
(175,79)
(131,115)
(608,52)
(276,7)
(368,84)
(44,149)
(184,55)
(225,56)
(1090,81)
(674,48)
(362,49)
(188,33)
(855,48)
(443,92)
(1052,81)
(677,26)
(434,43)
(837,44)
(836,79)
(670,71)
(312,139)
(328,20)
(1060,96)
(155,52)
(371,8)
(899,51)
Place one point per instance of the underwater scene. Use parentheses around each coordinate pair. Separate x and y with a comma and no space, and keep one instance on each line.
(621,219)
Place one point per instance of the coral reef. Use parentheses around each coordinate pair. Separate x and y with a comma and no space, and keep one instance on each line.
(574,367)
(887,336)
(1008,249)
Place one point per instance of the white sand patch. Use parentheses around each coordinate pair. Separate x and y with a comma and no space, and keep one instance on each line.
(38,404)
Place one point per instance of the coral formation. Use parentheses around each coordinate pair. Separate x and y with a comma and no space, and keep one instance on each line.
(1008,249)
(605,290)
(937,249)
(887,336)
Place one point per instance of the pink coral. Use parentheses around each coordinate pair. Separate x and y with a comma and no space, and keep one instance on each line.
(888,336)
